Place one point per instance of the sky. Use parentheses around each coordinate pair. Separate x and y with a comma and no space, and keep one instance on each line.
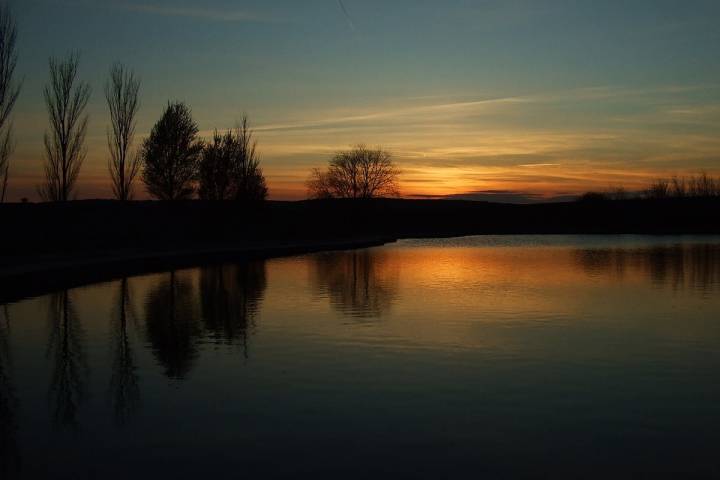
(491,99)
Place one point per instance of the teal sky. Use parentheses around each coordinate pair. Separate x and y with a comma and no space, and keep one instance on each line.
(540,97)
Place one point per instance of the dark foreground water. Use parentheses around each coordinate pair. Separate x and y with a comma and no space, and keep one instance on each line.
(495,357)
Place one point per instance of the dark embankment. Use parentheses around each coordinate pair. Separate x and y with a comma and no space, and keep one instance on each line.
(157,235)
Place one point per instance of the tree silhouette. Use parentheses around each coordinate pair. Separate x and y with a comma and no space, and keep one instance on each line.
(66,99)
(9,92)
(249,179)
(121,93)
(356,173)
(230,168)
(215,171)
(694,186)
(171,154)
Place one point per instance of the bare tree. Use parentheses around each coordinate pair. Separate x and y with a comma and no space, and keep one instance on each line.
(9,92)
(171,154)
(660,188)
(216,167)
(678,187)
(357,173)
(703,185)
(230,168)
(122,92)
(66,99)
(694,186)
(248,174)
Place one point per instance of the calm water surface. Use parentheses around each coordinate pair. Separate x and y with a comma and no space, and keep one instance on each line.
(483,357)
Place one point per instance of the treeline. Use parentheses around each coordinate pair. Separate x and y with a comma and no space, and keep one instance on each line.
(701,185)
(173,162)
(696,186)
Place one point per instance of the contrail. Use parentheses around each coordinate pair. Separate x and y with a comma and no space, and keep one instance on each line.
(347,15)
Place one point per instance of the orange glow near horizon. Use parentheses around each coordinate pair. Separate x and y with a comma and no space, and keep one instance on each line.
(450,149)
(541,182)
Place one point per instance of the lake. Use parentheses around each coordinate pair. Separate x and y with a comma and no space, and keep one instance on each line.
(479,357)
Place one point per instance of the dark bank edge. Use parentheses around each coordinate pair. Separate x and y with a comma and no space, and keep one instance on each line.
(56,272)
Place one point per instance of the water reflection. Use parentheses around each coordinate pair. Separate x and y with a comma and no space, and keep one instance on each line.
(515,334)
(69,362)
(171,325)
(694,267)
(9,450)
(362,284)
(124,389)
(230,297)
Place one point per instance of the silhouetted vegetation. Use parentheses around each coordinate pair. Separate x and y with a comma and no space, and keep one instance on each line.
(230,169)
(67,352)
(171,154)
(65,99)
(9,92)
(121,93)
(588,197)
(357,173)
(695,186)
(658,189)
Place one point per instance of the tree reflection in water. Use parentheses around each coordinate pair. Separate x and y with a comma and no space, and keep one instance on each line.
(693,267)
(66,351)
(230,298)
(360,284)
(9,450)
(124,388)
(171,325)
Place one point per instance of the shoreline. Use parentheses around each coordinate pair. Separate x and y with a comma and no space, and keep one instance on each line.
(47,273)
(51,246)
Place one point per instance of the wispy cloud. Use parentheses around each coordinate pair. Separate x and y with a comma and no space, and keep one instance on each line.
(345,12)
(394,113)
(203,13)
(439,111)
(538,165)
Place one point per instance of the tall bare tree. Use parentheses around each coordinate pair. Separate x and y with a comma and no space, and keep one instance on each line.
(357,173)
(66,99)
(122,92)
(249,176)
(9,91)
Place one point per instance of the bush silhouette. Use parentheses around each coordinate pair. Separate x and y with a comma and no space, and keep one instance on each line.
(230,169)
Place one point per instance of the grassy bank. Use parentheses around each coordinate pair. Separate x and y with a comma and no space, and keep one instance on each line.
(50,245)
(31,229)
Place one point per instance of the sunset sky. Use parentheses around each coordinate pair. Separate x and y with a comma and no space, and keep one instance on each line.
(504,99)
